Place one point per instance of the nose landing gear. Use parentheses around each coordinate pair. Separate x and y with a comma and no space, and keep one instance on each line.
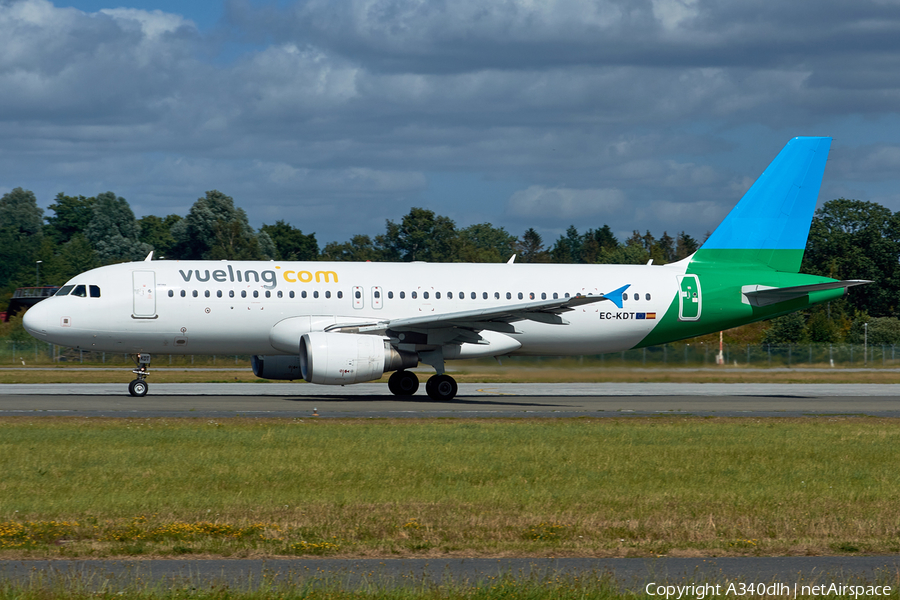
(139,386)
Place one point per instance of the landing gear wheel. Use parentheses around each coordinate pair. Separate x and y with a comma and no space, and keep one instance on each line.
(138,388)
(441,387)
(403,383)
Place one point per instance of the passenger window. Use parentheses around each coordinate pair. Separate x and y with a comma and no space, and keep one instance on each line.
(95,291)
(183,293)
(291,293)
(555,296)
(377,294)
(413,295)
(231,293)
(531,296)
(256,293)
(194,293)
(508,296)
(358,294)
(496,295)
(647,297)
(390,295)
(436,295)
(268,294)
(567,294)
(218,293)
(543,295)
(80,291)
(280,294)
(206,293)
(316,294)
(637,296)
(425,295)
(303,294)
(171,293)
(328,294)
(64,290)
(520,295)
(402,295)
(243,293)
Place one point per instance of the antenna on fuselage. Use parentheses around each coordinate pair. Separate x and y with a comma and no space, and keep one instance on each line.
(511,260)
(149,257)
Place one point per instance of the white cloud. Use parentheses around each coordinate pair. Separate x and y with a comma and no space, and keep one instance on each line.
(564,203)
(152,24)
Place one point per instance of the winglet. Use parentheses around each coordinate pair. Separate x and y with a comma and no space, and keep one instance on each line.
(615,296)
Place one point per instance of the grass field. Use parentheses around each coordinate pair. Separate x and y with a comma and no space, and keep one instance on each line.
(384,488)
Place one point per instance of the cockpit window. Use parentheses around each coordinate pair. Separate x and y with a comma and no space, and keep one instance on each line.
(80,291)
(64,290)
(95,291)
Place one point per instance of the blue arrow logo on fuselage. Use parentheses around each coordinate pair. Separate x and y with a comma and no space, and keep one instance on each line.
(615,296)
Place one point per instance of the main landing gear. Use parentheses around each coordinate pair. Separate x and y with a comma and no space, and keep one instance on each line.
(438,387)
(139,386)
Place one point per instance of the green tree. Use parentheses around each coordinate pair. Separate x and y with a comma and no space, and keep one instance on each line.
(61,263)
(114,232)
(596,243)
(360,248)
(852,239)
(21,232)
(567,248)
(685,246)
(71,215)
(215,229)
(531,248)
(664,250)
(822,329)
(291,243)
(788,329)
(485,243)
(420,235)
(157,233)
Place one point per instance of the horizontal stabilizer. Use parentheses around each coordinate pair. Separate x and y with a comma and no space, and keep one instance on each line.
(762,295)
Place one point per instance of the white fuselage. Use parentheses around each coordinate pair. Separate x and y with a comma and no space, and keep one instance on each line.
(232,307)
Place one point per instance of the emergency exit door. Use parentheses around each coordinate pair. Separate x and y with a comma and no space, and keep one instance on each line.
(690,301)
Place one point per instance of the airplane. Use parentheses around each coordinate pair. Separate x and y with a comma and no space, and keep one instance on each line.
(339,323)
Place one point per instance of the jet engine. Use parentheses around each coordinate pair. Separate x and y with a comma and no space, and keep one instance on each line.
(342,358)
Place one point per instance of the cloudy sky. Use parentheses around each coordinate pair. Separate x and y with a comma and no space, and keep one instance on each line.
(336,115)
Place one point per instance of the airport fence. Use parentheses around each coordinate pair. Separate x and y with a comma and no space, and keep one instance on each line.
(31,353)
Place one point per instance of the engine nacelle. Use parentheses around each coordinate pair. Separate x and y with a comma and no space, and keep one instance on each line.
(276,367)
(343,358)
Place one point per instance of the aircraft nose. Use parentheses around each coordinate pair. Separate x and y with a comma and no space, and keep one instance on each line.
(37,320)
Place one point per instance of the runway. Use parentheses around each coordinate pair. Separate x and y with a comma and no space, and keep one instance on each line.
(295,400)
(629,574)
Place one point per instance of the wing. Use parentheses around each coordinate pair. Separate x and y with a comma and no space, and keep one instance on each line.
(498,318)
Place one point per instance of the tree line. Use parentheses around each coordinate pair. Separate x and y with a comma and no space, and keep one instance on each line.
(849,239)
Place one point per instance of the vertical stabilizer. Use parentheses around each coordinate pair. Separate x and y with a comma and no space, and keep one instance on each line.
(770,224)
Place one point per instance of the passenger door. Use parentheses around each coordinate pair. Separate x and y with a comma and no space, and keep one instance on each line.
(144,294)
